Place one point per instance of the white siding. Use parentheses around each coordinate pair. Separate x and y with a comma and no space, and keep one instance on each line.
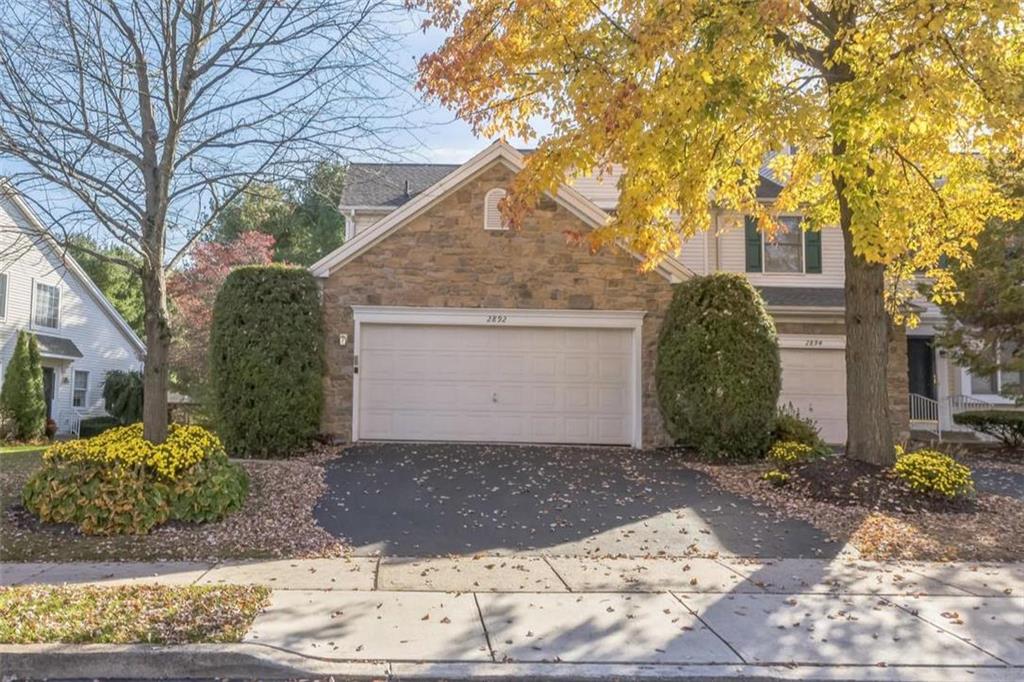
(362,220)
(82,320)
(732,257)
(603,191)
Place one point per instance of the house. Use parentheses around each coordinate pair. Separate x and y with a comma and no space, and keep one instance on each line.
(81,336)
(444,325)
(939,388)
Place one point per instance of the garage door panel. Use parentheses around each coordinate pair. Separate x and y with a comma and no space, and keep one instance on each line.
(495,383)
(814,382)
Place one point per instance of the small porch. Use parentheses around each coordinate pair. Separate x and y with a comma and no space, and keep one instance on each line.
(940,389)
(60,392)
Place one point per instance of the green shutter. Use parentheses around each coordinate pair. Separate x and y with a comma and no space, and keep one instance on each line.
(812,247)
(753,245)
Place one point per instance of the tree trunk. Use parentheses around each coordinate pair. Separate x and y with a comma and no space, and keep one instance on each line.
(869,429)
(158,343)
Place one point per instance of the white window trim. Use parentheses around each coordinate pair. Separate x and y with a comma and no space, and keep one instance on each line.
(502,227)
(967,389)
(510,317)
(74,389)
(803,252)
(32,305)
(5,302)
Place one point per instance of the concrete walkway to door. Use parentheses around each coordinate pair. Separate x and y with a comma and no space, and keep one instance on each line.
(415,499)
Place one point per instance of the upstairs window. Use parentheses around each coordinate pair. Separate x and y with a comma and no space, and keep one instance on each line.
(792,250)
(492,215)
(46,309)
(81,389)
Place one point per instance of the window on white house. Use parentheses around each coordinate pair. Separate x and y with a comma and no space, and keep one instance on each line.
(3,295)
(492,214)
(47,306)
(1001,381)
(81,389)
(785,253)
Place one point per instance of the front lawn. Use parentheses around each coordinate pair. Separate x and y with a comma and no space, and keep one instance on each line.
(21,449)
(275,521)
(150,614)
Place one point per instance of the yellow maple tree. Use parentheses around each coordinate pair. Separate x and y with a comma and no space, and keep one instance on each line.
(883,117)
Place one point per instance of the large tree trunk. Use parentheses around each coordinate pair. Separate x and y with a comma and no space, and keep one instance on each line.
(869,429)
(158,343)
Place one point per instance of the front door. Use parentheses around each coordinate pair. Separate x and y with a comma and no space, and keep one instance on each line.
(48,386)
(921,366)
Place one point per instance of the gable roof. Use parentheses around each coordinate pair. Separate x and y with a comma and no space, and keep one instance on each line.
(71,265)
(499,151)
(389,185)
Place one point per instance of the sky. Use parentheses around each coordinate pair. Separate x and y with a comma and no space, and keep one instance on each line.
(440,137)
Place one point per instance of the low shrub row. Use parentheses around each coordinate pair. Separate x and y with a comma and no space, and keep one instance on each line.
(120,483)
(1007,425)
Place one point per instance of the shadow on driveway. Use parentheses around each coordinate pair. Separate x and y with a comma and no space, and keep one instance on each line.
(413,499)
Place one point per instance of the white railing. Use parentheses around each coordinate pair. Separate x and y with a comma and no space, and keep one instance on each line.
(924,412)
(75,425)
(961,403)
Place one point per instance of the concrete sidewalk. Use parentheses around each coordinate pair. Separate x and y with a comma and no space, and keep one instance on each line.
(585,618)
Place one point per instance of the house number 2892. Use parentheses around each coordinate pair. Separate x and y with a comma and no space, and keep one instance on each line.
(497,319)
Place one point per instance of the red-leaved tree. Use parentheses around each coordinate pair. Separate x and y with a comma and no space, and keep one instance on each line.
(192,291)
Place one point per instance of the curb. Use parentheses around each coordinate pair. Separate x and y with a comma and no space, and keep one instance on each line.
(254,661)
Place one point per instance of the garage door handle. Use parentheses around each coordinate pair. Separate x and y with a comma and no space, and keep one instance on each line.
(494,397)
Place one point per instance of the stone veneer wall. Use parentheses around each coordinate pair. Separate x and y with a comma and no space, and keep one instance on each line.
(444,258)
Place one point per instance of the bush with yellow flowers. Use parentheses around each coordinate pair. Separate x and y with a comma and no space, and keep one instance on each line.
(775,477)
(120,483)
(933,473)
(786,453)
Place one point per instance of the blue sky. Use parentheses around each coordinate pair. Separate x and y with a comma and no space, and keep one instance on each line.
(441,137)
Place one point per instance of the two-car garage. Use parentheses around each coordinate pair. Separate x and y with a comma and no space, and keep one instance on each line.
(537,376)
(527,376)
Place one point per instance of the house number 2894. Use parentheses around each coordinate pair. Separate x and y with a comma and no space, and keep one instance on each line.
(497,319)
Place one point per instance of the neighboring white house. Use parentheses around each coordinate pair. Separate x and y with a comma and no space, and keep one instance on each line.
(81,336)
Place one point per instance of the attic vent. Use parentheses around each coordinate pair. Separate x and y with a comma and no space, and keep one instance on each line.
(492,216)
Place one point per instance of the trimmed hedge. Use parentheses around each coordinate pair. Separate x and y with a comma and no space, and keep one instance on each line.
(718,372)
(94,426)
(266,361)
(1006,425)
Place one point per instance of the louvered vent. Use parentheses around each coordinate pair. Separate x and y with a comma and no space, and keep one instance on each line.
(492,216)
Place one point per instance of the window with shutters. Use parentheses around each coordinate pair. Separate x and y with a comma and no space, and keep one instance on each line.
(492,215)
(3,295)
(791,250)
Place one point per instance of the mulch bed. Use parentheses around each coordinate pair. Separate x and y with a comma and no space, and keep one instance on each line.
(992,529)
(848,482)
(276,521)
(150,614)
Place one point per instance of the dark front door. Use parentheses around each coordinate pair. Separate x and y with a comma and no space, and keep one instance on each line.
(48,377)
(921,366)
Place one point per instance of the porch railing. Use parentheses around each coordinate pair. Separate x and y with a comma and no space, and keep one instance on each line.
(961,403)
(924,413)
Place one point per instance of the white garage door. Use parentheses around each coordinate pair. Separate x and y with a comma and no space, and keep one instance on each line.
(497,383)
(814,381)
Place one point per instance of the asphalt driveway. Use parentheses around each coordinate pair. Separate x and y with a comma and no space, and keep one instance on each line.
(412,499)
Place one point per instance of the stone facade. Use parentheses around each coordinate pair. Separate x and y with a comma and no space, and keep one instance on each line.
(899,384)
(444,258)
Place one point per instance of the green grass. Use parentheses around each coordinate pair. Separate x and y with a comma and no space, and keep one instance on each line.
(17,449)
(152,614)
